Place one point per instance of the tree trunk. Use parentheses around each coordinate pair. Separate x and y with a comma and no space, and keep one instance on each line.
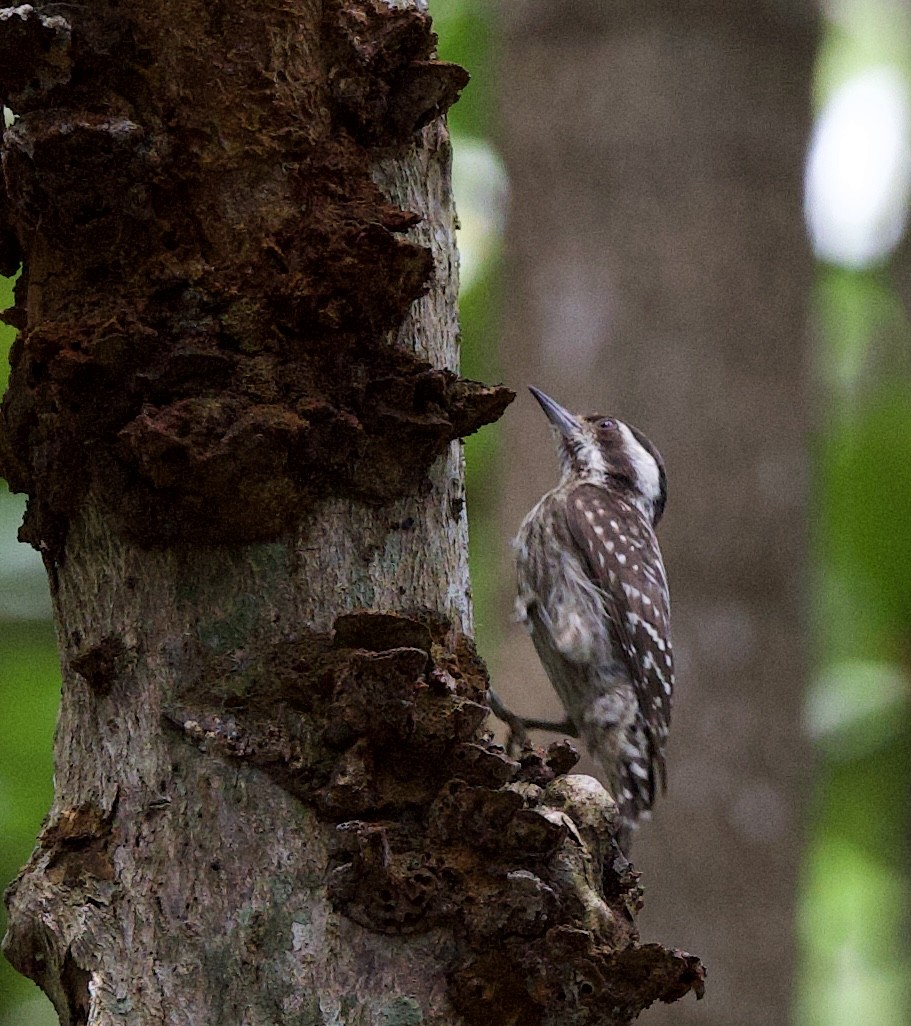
(234,407)
(657,269)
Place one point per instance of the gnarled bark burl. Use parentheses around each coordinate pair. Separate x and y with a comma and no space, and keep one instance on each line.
(234,407)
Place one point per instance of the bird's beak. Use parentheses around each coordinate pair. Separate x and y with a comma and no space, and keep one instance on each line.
(561,419)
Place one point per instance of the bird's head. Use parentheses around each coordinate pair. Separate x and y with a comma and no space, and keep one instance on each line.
(603,450)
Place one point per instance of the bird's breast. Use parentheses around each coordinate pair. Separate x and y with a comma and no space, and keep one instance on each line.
(558,601)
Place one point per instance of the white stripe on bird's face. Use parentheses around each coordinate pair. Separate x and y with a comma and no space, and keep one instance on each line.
(645,467)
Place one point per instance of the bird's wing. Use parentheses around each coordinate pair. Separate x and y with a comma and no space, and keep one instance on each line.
(623,559)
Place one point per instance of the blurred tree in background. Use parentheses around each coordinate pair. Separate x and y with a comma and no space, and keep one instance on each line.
(657,269)
(853,915)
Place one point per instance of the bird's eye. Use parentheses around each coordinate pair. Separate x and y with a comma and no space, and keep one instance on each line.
(607,423)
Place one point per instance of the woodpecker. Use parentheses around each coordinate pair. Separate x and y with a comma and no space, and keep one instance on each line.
(593,594)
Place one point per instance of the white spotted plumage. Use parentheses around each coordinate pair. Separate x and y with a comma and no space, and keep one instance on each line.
(593,594)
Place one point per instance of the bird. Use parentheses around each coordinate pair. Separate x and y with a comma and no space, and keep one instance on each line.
(593,594)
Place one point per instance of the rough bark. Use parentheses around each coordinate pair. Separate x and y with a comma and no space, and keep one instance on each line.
(657,269)
(234,406)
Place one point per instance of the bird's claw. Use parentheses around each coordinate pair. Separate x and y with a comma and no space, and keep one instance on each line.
(518,732)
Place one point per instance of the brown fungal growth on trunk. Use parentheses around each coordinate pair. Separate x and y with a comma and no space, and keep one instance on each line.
(232,319)
(430,826)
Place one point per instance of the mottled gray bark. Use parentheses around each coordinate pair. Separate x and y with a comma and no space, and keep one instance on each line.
(234,406)
(657,269)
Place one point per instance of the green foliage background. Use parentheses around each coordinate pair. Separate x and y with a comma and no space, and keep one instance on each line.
(29,693)
(854,912)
